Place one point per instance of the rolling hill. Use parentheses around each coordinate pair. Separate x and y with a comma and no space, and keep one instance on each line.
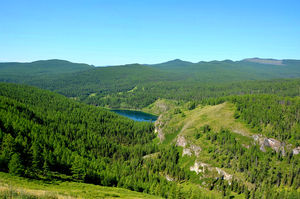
(225,129)
(110,86)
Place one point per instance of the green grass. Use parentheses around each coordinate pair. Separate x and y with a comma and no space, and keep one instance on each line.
(218,116)
(19,187)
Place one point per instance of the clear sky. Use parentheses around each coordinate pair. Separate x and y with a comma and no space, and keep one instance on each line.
(111,32)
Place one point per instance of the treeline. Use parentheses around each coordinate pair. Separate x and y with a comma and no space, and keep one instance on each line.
(277,117)
(146,93)
(271,115)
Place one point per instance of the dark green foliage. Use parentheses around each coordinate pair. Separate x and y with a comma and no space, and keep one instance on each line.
(44,133)
(262,169)
(191,105)
(276,117)
(14,71)
(15,166)
(136,86)
(47,136)
(147,93)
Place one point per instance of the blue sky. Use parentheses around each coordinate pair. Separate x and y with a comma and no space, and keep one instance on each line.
(111,32)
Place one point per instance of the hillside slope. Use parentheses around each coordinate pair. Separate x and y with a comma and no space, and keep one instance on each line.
(53,139)
(216,145)
(44,135)
(18,187)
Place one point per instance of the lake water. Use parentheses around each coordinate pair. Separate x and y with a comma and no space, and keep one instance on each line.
(136,115)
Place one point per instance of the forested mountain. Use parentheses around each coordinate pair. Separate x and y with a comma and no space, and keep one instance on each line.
(47,136)
(226,129)
(109,86)
(227,70)
(14,71)
(237,142)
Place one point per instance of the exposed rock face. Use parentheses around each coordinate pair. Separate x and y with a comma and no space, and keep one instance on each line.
(269,142)
(181,141)
(186,152)
(200,167)
(169,178)
(275,144)
(158,129)
(226,176)
(296,151)
(196,149)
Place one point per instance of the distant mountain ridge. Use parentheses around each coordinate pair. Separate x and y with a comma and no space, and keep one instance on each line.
(42,67)
(64,63)
(265,61)
(73,79)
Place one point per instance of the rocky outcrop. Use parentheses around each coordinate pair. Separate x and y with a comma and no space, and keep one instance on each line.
(169,178)
(181,141)
(195,149)
(225,175)
(296,151)
(187,150)
(158,129)
(269,142)
(200,167)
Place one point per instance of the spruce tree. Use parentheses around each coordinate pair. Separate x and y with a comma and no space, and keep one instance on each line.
(15,166)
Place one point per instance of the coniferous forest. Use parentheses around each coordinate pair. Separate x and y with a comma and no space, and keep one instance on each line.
(149,99)
(68,133)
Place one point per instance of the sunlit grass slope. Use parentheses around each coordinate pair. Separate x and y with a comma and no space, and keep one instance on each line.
(18,187)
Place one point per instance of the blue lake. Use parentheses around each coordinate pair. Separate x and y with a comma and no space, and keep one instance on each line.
(136,115)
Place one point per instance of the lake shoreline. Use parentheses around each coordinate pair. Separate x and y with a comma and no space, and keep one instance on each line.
(136,115)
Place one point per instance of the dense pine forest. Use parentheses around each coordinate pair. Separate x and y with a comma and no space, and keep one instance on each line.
(225,129)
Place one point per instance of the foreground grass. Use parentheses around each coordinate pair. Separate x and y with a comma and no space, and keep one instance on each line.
(18,187)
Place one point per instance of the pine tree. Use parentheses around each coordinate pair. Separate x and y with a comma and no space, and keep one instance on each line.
(15,167)
(78,169)
(46,169)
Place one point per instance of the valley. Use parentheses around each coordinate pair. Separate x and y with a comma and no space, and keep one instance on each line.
(233,136)
(150,99)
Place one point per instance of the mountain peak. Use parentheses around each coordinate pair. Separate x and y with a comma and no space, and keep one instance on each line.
(176,61)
